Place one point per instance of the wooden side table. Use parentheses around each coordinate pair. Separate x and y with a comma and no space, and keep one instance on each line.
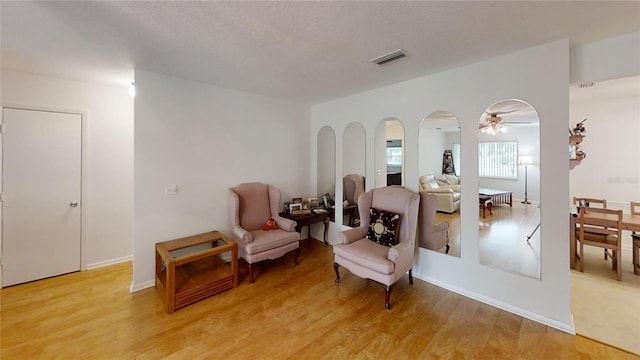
(184,277)
(308,220)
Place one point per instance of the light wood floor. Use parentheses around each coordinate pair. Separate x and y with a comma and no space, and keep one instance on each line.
(503,237)
(288,313)
(616,318)
(603,308)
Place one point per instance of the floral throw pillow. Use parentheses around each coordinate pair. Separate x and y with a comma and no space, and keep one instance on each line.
(383,227)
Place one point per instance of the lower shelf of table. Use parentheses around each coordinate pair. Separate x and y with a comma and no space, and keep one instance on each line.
(196,281)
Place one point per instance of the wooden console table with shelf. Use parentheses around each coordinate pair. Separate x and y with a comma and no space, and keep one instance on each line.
(307,220)
(184,277)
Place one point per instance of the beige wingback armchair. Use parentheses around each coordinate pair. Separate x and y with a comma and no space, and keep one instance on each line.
(371,260)
(251,205)
(431,236)
(353,187)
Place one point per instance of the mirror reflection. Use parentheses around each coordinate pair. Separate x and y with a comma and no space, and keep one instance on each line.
(509,187)
(326,180)
(439,183)
(389,153)
(353,169)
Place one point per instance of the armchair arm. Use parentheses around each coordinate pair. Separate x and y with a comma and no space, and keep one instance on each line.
(285,224)
(401,251)
(440,190)
(351,235)
(242,234)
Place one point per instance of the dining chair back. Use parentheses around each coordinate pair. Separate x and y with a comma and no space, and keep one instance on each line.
(635,240)
(587,202)
(603,230)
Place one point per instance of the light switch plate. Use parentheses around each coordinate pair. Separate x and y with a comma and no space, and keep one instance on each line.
(171,190)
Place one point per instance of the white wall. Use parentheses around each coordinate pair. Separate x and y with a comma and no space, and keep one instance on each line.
(431,145)
(611,169)
(611,58)
(107,213)
(326,151)
(539,76)
(354,149)
(206,139)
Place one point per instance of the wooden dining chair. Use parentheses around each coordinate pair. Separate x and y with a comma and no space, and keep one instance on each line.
(601,233)
(601,203)
(588,202)
(635,238)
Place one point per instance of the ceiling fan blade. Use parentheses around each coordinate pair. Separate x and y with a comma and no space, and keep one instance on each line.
(496,113)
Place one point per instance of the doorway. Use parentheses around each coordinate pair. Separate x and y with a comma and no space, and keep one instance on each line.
(41,189)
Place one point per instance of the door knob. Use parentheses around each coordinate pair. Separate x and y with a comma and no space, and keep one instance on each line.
(73,204)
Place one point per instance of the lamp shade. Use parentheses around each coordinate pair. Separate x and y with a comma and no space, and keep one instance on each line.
(525,160)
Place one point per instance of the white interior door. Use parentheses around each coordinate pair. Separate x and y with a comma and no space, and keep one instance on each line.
(41,188)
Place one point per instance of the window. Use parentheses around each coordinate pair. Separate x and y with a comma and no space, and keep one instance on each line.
(394,152)
(498,159)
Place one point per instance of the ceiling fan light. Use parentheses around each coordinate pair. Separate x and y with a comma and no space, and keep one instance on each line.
(492,127)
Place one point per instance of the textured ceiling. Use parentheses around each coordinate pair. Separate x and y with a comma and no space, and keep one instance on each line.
(306,52)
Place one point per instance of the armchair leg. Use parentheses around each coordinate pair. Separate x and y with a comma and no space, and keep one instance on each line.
(411,276)
(335,267)
(250,273)
(295,258)
(446,251)
(387,296)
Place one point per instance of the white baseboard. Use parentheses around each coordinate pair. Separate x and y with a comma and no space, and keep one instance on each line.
(142,286)
(109,262)
(568,328)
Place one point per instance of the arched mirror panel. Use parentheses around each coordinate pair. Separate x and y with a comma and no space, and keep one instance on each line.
(509,187)
(389,153)
(439,183)
(353,170)
(326,167)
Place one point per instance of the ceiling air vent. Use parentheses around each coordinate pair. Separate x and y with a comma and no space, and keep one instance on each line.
(585,85)
(394,55)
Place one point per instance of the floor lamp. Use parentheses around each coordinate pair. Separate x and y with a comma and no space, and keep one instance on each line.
(526,161)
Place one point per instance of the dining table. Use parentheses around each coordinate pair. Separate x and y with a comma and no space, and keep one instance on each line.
(629,222)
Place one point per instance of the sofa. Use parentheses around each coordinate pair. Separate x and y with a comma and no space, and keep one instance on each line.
(446,188)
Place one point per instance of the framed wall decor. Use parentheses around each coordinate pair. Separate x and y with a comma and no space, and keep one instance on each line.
(328,202)
(294,207)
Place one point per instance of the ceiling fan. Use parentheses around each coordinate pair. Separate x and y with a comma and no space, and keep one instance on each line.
(493,123)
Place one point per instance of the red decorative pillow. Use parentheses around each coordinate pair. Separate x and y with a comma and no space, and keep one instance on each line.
(271,224)
(383,227)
